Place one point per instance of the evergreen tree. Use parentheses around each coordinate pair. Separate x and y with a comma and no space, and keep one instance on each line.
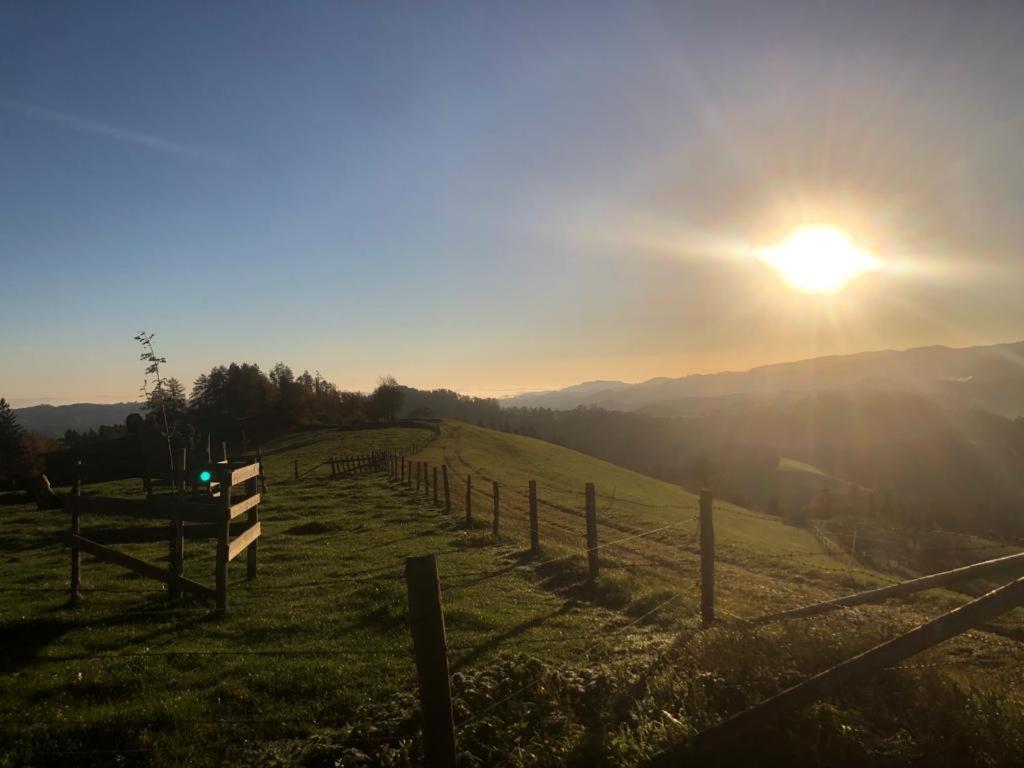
(12,443)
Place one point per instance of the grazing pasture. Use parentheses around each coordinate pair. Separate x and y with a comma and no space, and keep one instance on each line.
(312,666)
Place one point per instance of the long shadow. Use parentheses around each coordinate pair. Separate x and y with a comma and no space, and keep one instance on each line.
(31,541)
(508,634)
(17,498)
(24,641)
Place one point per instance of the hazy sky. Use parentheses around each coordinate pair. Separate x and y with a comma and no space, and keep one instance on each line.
(496,196)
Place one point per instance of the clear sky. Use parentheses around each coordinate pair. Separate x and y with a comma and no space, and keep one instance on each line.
(496,196)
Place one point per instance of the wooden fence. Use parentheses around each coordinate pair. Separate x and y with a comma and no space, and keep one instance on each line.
(210,514)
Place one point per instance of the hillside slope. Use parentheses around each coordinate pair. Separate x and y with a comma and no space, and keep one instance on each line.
(55,420)
(312,665)
(990,377)
(647,528)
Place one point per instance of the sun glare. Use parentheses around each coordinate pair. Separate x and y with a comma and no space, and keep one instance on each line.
(818,259)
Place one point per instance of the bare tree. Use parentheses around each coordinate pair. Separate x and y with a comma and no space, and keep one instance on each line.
(153,363)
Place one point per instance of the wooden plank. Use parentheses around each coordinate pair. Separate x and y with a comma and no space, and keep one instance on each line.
(109,555)
(958,621)
(247,537)
(931,581)
(159,507)
(109,505)
(243,506)
(140,567)
(196,509)
(245,473)
(127,535)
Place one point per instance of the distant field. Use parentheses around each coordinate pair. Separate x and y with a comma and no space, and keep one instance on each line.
(312,665)
(791,565)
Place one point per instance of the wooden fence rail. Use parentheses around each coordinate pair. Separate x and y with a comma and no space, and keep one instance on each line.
(958,621)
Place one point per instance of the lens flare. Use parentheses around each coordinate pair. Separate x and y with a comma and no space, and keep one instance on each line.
(819,259)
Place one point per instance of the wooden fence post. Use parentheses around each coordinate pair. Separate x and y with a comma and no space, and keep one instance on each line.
(435,485)
(707,558)
(973,614)
(592,560)
(447,490)
(497,508)
(401,471)
(76,554)
(469,499)
(419,473)
(252,517)
(408,473)
(176,557)
(223,541)
(430,647)
(534,531)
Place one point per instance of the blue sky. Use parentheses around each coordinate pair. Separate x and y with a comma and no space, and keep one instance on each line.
(495,196)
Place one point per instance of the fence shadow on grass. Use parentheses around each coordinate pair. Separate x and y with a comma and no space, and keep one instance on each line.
(504,638)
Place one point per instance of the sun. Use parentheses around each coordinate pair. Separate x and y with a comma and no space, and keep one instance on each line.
(819,259)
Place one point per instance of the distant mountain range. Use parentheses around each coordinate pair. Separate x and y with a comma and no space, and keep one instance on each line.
(55,420)
(986,377)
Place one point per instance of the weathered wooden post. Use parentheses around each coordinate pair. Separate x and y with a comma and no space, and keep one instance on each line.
(534,531)
(263,474)
(76,554)
(408,473)
(435,485)
(469,499)
(223,542)
(296,469)
(419,472)
(592,561)
(224,451)
(447,490)
(176,557)
(707,558)
(497,508)
(430,647)
(401,473)
(252,517)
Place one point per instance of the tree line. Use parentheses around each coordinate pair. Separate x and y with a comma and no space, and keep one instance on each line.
(237,403)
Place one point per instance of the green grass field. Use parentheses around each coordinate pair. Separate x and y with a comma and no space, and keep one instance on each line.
(312,665)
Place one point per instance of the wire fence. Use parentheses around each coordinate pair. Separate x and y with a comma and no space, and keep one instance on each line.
(660,536)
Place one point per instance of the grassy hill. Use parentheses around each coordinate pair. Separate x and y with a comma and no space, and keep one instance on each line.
(312,665)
